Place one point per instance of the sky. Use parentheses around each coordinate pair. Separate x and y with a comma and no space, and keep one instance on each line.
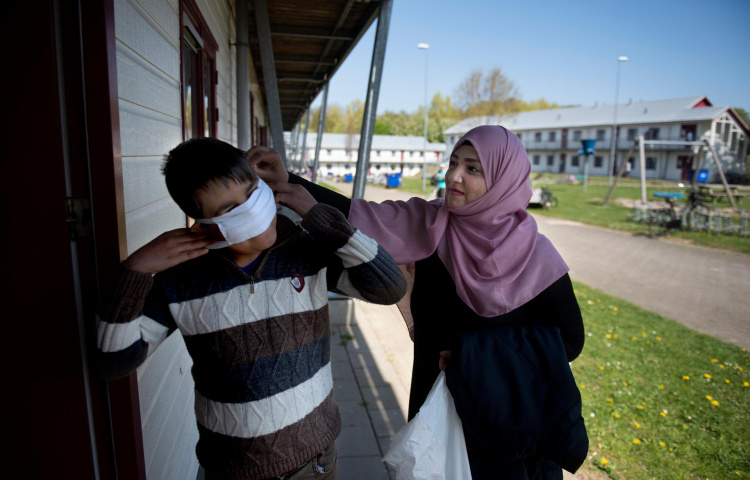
(565,52)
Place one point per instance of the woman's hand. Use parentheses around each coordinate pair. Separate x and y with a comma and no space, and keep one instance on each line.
(267,164)
(445,355)
(167,250)
(294,197)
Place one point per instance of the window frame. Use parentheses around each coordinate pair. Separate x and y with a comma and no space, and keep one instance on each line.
(193,23)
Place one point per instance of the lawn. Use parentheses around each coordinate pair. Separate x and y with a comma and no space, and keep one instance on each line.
(659,399)
(414,185)
(586,207)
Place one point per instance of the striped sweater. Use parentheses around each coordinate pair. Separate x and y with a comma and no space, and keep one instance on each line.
(260,344)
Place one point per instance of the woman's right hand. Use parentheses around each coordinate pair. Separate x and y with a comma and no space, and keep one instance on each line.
(267,164)
(293,196)
(445,355)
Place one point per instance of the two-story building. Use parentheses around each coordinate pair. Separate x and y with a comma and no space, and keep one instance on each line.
(553,137)
(389,154)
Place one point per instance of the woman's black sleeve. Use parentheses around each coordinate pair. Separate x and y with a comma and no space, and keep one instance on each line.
(562,311)
(323,195)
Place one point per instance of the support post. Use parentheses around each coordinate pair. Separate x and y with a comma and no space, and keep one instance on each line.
(273,106)
(304,142)
(321,127)
(620,172)
(698,164)
(721,175)
(642,149)
(371,104)
(585,171)
(243,85)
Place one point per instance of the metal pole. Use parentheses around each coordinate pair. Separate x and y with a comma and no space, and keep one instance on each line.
(294,138)
(424,148)
(585,171)
(273,105)
(321,126)
(613,149)
(619,173)
(243,85)
(642,150)
(304,141)
(371,104)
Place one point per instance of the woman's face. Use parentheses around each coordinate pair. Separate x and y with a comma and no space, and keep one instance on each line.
(465,179)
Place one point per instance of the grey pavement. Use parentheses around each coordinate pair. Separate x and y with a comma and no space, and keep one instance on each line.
(702,288)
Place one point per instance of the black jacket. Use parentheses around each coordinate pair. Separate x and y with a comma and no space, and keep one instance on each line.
(518,402)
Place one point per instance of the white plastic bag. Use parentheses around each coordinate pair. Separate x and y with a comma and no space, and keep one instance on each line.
(432,445)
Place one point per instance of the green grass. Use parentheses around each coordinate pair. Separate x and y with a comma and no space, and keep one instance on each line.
(586,207)
(645,382)
(414,185)
(330,187)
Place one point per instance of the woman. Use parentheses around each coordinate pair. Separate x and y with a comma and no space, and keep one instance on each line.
(480,254)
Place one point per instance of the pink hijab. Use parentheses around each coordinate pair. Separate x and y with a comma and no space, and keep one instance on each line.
(491,246)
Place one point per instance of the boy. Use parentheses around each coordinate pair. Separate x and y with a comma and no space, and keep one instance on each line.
(253,312)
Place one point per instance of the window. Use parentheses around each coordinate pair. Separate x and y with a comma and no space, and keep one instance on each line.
(377,167)
(518,135)
(536,159)
(598,162)
(552,136)
(575,161)
(377,153)
(550,160)
(632,133)
(576,135)
(411,154)
(199,75)
(652,134)
(538,137)
(421,154)
(393,153)
(650,163)
(600,134)
(347,166)
(328,152)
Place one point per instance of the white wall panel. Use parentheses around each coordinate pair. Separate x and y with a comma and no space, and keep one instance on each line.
(142,83)
(143,182)
(146,132)
(145,224)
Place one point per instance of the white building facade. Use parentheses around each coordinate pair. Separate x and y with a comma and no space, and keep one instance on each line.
(389,154)
(552,138)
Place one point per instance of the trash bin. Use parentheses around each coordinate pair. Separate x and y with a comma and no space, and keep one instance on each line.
(348,178)
(393,180)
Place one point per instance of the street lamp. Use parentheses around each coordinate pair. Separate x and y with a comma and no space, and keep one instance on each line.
(425,47)
(614,121)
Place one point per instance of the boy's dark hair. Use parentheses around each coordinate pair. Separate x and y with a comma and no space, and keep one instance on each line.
(191,165)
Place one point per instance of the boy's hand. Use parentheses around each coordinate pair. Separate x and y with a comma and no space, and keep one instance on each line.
(294,197)
(167,250)
(267,164)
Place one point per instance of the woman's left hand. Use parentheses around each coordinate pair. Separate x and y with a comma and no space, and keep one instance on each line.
(445,355)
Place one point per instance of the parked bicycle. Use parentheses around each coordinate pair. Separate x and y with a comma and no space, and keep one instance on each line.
(663,221)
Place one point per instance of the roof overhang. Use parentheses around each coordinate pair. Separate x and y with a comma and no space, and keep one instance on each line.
(310,40)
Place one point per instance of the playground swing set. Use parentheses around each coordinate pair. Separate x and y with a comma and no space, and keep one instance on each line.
(696,214)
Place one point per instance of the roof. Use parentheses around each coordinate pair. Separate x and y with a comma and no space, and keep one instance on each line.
(310,41)
(687,109)
(379,142)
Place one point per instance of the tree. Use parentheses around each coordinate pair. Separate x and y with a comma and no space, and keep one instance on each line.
(743,113)
(486,94)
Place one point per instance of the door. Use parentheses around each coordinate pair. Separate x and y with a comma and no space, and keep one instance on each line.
(564,139)
(685,164)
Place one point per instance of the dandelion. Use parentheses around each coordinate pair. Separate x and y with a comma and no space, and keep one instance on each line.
(745,384)
(617,415)
(684,427)
(589,302)
(726,380)
(637,425)
(614,308)
(634,338)
(663,413)
(639,407)
(615,336)
(662,444)
(637,441)
(648,342)
(608,336)
(601,367)
(714,403)
(610,400)
(583,387)
(714,360)
(685,377)
(625,383)
(604,461)
(739,368)
(709,397)
(707,375)
(658,339)
(722,367)
(661,387)
(643,334)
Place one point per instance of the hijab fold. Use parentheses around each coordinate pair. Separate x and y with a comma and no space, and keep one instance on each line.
(491,247)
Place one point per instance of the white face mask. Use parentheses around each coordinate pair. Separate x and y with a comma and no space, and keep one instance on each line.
(247,220)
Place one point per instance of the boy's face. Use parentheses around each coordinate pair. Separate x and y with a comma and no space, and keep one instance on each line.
(217,199)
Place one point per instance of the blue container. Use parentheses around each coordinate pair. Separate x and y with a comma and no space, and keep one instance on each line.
(588,147)
(393,180)
(348,177)
(702,176)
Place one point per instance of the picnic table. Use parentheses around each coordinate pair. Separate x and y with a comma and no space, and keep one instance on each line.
(716,193)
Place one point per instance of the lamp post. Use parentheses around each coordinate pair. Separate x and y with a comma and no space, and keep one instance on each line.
(613,150)
(426,48)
